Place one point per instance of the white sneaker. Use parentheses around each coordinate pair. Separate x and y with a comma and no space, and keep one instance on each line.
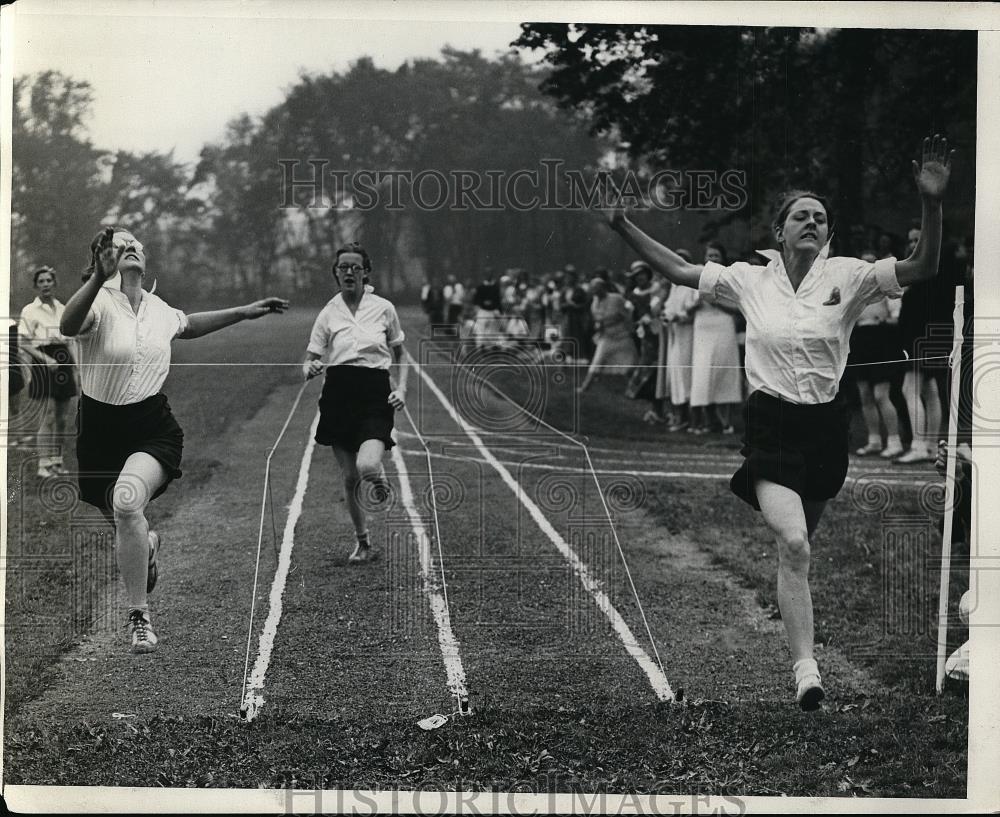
(809,692)
(143,638)
(915,455)
(808,685)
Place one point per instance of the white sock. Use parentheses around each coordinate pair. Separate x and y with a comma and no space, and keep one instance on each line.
(805,667)
(893,441)
(875,440)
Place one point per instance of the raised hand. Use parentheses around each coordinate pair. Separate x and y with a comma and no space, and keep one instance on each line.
(934,169)
(106,257)
(264,307)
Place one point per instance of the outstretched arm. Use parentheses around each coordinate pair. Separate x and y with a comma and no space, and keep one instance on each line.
(931,176)
(204,323)
(662,259)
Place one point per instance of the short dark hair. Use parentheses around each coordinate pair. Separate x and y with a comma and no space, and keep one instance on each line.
(353,247)
(787,199)
(718,245)
(41,270)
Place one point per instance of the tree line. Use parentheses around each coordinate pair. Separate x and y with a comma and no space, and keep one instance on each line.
(838,110)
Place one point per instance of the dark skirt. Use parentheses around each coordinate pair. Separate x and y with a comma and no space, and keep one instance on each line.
(15,372)
(803,447)
(58,384)
(107,435)
(15,378)
(876,353)
(354,407)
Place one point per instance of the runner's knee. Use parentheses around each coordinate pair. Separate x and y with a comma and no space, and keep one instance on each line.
(130,497)
(793,546)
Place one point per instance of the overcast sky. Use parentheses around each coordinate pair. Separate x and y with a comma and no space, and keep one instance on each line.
(174,80)
(169,74)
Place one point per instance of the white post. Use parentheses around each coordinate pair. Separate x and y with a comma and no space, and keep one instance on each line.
(949,485)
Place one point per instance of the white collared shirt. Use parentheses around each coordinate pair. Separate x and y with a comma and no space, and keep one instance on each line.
(361,339)
(125,355)
(798,341)
(40,322)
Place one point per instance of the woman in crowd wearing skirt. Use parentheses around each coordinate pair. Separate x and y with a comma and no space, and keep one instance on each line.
(53,379)
(874,362)
(800,310)
(128,443)
(359,336)
(680,335)
(715,361)
(615,349)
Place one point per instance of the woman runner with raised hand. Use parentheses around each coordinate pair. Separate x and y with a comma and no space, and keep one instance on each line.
(128,442)
(800,310)
(359,335)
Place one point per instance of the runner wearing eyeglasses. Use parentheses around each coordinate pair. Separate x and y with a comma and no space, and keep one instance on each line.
(356,338)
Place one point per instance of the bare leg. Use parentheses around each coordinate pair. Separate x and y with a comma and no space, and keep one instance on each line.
(893,445)
(912,387)
(722,414)
(348,467)
(140,478)
(870,411)
(62,411)
(369,461)
(786,516)
(46,434)
(932,409)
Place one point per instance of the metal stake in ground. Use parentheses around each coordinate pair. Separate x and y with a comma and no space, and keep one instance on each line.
(951,475)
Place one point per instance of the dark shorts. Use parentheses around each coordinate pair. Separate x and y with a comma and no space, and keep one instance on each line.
(354,407)
(15,379)
(803,447)
(876,354)
(106,436)
(59,384)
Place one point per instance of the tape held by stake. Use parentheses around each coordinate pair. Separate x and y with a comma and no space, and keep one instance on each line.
(437,720)
(249,700)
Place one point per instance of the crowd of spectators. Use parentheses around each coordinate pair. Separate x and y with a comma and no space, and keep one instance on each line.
(684,357)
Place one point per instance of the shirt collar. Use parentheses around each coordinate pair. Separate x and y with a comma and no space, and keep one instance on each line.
(39,302)
(775,256)
(367,289)
(114,284)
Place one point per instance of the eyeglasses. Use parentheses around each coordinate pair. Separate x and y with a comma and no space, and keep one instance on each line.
(355,268)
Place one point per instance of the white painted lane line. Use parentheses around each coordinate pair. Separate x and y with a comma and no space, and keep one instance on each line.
(431,586)
(658,681)
(254,699)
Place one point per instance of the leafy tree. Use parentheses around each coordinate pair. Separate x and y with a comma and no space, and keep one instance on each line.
(58,187)
(842,110)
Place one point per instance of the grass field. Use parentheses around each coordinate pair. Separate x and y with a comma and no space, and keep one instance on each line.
(561,701)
